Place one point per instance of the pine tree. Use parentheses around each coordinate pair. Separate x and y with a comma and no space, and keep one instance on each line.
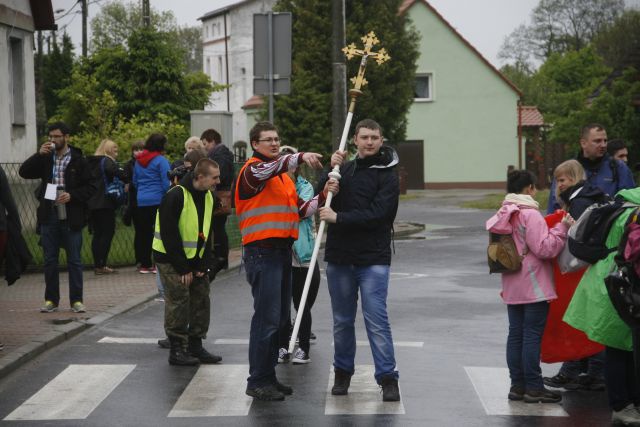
(304,117)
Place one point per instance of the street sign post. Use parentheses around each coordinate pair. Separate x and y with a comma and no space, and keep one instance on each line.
(271,55)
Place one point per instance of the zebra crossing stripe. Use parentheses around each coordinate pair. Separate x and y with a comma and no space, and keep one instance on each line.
(215,391)
(73,394)
(364,396)
(118,340)
(492,386)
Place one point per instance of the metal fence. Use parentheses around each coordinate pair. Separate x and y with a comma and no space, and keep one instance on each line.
(122,252)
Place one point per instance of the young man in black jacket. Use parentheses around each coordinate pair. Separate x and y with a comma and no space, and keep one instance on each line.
(358,255)
(219,153)
(181,250)
(65,188)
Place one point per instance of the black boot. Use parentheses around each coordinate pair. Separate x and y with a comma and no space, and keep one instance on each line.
(196,350)
(390,390)
(177,355)
(341,382)
(164,343)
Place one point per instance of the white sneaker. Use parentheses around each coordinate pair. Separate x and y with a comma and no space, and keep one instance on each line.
(300,357)
(283,355)
(629,416)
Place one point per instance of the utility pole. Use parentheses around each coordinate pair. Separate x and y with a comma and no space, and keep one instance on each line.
(84,27)
(146,13)
(339,103)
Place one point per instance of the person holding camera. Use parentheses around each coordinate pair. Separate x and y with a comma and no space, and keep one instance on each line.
(182,252)
(65,187)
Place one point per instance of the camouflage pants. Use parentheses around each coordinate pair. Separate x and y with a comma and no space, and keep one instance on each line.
(187,308)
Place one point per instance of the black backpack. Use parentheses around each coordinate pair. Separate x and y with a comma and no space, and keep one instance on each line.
(592,228)
(623,284)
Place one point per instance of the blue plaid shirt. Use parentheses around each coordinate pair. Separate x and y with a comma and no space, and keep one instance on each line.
(60,164)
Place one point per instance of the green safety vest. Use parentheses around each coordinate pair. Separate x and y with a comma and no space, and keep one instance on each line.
(188,225)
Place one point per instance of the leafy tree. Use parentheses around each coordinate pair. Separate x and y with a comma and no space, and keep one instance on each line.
(619,44)
(558,26)
(304,117)
(56,72)
(146,77)
(117,21)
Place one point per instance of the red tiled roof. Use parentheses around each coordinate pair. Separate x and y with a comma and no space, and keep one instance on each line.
(530,116)
(406,4)
(255,101)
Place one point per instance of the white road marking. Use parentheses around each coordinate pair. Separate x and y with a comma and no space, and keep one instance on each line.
(215,391)
(118,340)
(73,394)
(414,344)
(234,341)
(492,386)
(364,396)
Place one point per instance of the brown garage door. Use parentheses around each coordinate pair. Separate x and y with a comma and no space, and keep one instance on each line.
(412,160)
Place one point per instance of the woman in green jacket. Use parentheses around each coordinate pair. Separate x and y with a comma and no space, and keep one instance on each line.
(592,312)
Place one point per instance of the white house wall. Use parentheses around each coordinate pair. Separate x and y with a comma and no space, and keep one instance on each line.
(240,57)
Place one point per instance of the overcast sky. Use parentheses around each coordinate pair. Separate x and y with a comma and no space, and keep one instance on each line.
(484,23)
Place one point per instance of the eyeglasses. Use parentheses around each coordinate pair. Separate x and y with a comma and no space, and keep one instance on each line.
(270,140)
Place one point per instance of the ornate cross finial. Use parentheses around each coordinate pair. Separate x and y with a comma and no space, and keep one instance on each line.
(380,56)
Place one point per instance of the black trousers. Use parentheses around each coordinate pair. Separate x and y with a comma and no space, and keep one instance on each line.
(220,238)
(103,224)
(144,222)
(298,277)
(620,377)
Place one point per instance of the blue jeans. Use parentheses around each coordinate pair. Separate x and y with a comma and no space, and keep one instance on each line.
(526,325)
(373,282)
(54,235)
(269,274)
(592,365)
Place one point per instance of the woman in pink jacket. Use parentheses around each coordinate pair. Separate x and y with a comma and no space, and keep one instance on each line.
(527,292)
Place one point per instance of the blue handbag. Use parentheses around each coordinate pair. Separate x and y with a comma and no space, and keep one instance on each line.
(114,189)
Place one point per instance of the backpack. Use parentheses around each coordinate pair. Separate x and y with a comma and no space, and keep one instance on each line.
(502,254)
(587,240)
(114,189)
(623,284)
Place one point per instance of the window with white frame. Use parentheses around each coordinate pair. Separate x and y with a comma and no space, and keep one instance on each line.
(423,87)
(16,76)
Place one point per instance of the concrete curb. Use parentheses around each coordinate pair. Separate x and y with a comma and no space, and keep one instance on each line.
(63,332)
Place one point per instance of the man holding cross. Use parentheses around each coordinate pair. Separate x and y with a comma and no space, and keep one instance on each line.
(358,253)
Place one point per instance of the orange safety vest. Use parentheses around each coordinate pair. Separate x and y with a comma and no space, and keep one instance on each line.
(273,212)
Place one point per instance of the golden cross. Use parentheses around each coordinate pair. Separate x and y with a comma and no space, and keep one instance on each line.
(380,56)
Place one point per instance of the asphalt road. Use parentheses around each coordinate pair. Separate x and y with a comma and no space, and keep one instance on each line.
(447,321)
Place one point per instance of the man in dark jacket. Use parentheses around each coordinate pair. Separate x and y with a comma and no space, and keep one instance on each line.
(181,250)
(65,188)
(608,174)
(358,253)
(219,153)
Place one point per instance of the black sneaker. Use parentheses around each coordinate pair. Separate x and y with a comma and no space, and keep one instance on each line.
(268,393)
(341,383)
(542,396)
(284,389)
(312,338)
(562,381)
(516,392)
(390,390)
(164,343)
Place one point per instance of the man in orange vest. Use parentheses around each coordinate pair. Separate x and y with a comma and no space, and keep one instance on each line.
(268,211)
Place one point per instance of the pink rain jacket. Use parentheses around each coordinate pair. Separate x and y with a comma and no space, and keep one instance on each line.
(534,281)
